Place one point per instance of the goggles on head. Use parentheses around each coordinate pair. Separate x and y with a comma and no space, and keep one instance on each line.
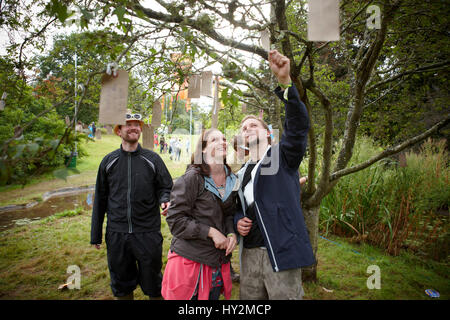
(135,116)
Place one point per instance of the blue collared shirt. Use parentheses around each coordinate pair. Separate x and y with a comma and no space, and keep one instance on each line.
(229,185)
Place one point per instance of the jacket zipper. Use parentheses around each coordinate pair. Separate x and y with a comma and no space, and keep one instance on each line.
(130,228)
(267,237)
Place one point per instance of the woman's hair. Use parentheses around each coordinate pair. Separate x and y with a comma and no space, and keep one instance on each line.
(263,123)
(198,159)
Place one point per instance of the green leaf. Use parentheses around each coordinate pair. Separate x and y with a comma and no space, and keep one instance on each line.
(83,23)
(120,12)
(86,14)
(58,9)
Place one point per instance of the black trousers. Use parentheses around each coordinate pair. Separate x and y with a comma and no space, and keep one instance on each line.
(135,258)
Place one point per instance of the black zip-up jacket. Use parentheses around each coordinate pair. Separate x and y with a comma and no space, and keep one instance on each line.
(130,188)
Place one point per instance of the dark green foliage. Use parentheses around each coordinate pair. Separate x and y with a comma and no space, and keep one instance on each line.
(394,206)
(30,143)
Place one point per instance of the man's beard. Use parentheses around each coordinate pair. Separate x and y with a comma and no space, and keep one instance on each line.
(131,140)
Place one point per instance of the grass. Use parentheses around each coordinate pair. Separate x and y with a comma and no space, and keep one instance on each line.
(344,271)
(34,260)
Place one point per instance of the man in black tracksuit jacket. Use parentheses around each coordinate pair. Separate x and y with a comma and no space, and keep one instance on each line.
(132,183)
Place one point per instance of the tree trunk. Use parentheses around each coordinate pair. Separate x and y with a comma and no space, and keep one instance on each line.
(309,274)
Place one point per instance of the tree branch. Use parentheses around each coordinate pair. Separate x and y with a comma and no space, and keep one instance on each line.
(327,147)
(246,76)
(280,14)
(32,36)
(203,27)
(229,16)
(312,161)
(431,67)
(384,94)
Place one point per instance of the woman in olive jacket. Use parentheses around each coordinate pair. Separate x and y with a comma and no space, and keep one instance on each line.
(200,218)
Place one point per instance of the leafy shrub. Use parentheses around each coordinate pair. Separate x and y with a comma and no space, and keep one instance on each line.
(44,140)
(392,206)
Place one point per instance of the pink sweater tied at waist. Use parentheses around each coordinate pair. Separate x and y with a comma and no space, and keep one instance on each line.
(182,275)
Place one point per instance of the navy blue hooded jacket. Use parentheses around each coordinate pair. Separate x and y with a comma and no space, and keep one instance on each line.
(276,191)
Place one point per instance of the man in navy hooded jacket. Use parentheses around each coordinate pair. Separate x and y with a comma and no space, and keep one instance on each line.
(274,243)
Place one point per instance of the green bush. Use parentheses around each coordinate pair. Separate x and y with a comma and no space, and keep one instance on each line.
(43,143)
(392,206)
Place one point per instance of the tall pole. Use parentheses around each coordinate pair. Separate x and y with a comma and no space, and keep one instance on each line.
(166,106)
(215,108)
(76,104)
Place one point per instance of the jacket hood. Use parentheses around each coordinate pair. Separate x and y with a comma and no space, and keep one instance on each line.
(190,168)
